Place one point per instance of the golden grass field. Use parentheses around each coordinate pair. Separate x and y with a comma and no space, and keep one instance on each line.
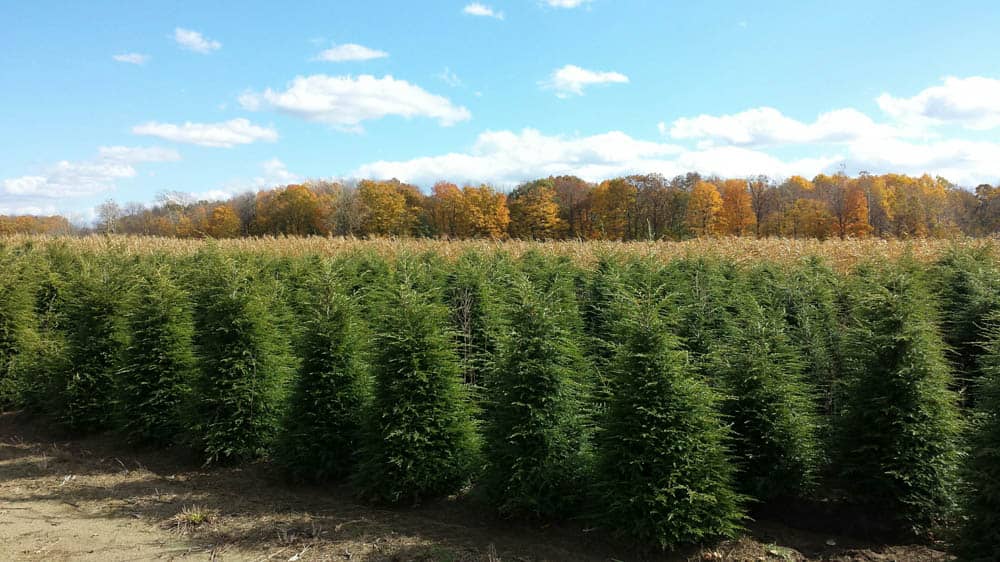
(840,254)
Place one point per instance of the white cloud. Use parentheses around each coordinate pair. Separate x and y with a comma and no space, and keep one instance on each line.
(963,162)
(194,41)
(507,158)
(345,102)
(132,58)
(566,3)
(477,9)
(78,179)
(765,126)
(29,208)
(972,102)
(275,173)
(571,79)
(226,134)
(350,52)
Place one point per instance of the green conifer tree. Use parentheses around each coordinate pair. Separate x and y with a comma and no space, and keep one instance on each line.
(419,441)
(663,474)
(979,537)
(534,420)
(244,363)
(898,427)
(321,430)
(158,359)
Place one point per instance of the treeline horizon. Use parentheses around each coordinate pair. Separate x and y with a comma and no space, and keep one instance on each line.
(635,207)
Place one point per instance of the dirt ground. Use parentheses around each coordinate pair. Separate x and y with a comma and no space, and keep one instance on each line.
(94,499)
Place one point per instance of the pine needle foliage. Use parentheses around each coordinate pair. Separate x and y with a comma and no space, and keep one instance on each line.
(897,445)
(770,407)
(418,440)
(321,429)
(663,476)
(979,536)
(157,364)
(534,433)
(243,363)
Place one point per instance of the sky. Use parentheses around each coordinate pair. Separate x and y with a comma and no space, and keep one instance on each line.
(128,100)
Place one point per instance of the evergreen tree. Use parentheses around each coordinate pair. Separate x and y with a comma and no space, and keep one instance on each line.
(18,336)
(321,430)
(89,305)
(535,427)
(769,406)
(967,282)
(243,362)
(663,473)
(898,427)
(979,538)
(419,440)
(158,359)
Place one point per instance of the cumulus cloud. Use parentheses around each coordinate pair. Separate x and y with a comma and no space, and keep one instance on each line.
(482,10)
(350,52)
(507,157)
(571,80)
(194,41)
(972,102)
(765,126)
(132,58)
(274,172)
(226,134)
(78,179)
(345,102)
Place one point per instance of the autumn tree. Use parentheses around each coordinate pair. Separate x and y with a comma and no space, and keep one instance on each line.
(704,209)
(737,211)
(573,195)
(486,212)
(534,212)
(447,210)
(383,208)
(614,209)
(293,210)
(223,222)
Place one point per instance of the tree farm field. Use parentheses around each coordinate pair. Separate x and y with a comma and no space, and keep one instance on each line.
(414,399)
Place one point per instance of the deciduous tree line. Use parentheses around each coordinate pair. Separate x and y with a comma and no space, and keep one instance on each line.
(637,207)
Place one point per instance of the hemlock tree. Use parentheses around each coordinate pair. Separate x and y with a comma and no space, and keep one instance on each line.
(771,409)
(89,303)
(158,360)
(899,424)
(419,441)
(979,538)
(663,474)
(244,363)
(534,421)
(321,430)
(17,330)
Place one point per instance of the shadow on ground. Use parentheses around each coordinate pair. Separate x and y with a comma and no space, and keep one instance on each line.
(166,499)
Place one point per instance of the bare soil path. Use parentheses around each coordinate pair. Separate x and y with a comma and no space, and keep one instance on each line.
(93,499)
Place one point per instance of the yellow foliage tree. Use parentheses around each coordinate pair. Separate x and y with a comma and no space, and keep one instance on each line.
(383,209)
(737,214)
(613,208)
(534,212)
(703,209)
(486,213)
(223,222)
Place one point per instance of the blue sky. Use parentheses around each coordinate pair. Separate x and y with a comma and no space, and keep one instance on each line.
(127,100)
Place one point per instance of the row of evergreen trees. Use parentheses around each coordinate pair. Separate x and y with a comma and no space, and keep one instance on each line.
(664,401)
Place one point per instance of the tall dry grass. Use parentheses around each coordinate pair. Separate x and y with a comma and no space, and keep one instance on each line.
(840,254)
